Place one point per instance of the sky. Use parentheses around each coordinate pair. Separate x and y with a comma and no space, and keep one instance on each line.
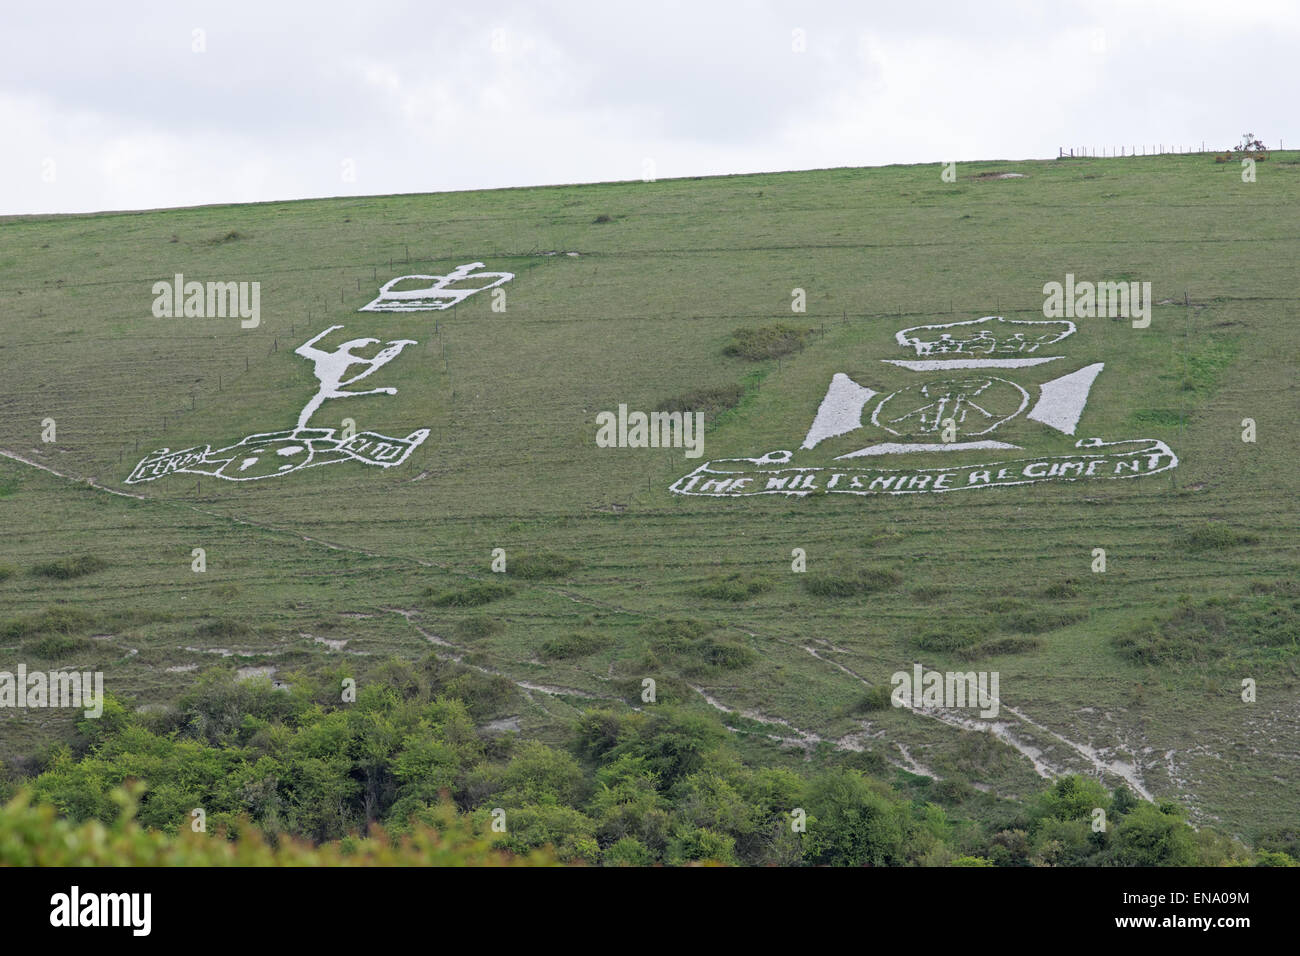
(148,105)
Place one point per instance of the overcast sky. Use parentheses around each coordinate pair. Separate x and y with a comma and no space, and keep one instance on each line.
(126,106)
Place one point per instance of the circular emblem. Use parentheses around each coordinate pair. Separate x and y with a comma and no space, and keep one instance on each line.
(977,404)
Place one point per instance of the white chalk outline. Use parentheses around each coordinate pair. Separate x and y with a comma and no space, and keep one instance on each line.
(435,297)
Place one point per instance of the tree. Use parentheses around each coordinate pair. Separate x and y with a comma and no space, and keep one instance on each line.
(1153,836)
(853,822)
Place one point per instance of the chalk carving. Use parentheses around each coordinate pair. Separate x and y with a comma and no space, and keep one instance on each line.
(437,294)
(969,403)
(278,453)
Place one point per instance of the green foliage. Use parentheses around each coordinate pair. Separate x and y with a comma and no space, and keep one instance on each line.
(693,647)
(877,698)
(942,641)
(479,626)
(1153,836)
(659,786)
(224,629)
(32,835)
(65,569)
(575,644)
(1261,625)
(864,581)
(1062,590)
(712,401)
(1073,797)
(475,595)
(734,587)
(58,646)
(541,565)
(857,823)
(999,646)
(627,851)
(766,342)
(1215,536)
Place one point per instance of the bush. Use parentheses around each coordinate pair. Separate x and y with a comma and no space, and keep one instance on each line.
(475,595)
(857,822)
(691,645)
(1153,836)
(541,565)
(766,342)
(940,642)
(34,836)
(734,587)
(479,626)
(878,698)
(1062,589)
(629,851)
(577,644)
(866,581)
(710,401)
(57,646)
(1213,536)
(1002,645)
(7,571)
(1036,622)
(224,628)
(56,620)
(67,568)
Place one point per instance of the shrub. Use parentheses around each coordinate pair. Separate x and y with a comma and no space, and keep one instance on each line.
(878,698)
(541,565)
(67,568)
(1002,645)
(734,587)
(943,641)
(1036,622)
(1062,589)
(1213,536)
(55,646)
(766,342)
(474,595)
(865,581)
(479,626)
(7,571)
(710,401)
(691,645)
(1268,619)
(576,644)
(223,628)
(628,851)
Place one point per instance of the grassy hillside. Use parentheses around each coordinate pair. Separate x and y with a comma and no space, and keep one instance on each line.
(632,293)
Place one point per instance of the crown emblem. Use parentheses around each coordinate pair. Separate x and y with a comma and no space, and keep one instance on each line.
(991,335)
(438,294)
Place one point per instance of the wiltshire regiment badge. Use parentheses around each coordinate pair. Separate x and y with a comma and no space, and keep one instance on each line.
(963,399)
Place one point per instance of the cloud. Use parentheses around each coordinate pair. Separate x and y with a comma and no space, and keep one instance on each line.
(283,101)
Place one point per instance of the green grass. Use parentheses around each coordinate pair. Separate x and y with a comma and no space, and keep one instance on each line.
(644,316)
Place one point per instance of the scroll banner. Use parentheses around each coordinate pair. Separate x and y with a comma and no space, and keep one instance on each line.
(312,447)
(741,477)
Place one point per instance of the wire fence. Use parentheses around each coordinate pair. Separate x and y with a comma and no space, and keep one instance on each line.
(1154,149)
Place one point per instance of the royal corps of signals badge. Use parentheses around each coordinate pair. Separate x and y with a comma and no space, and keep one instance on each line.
(271,454)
